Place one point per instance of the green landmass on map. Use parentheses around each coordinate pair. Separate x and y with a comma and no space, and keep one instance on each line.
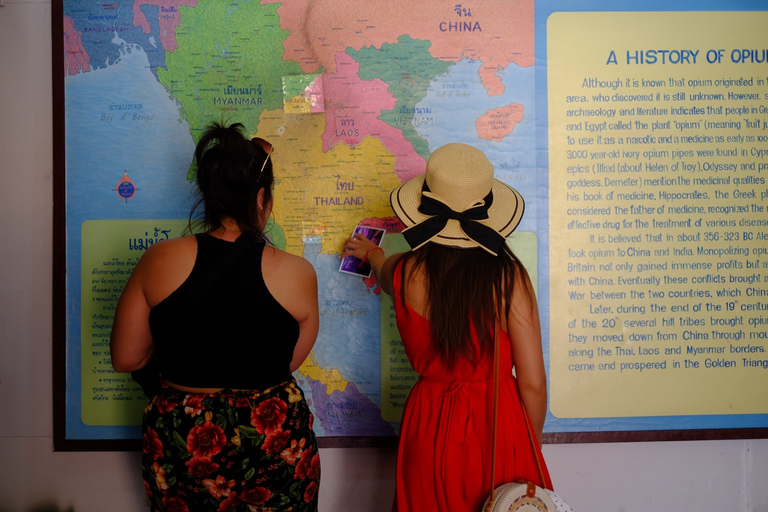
(408,68)
(225,67)
(275,233)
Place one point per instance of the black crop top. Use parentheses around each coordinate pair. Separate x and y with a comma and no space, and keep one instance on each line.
(227,331)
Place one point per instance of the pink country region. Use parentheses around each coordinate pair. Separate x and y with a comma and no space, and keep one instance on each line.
(168,17)
(498,123)
(75,57)
(316,96)
(352,108)
(498,32)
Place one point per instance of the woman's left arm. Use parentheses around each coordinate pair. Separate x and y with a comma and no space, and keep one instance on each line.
(524,330)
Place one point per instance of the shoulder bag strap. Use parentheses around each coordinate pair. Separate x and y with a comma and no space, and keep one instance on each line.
(496,372)
(496,360)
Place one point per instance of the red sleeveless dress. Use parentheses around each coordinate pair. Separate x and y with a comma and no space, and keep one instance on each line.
(444,455)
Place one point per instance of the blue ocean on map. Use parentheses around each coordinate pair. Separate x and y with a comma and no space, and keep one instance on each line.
(349,324)
(454,115)
(132,128)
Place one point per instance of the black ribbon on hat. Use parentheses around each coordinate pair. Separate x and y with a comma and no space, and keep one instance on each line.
(440,214)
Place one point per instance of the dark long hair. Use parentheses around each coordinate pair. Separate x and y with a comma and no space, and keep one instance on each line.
(466,289)
(229,176)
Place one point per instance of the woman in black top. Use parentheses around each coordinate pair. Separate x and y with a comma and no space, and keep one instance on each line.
(227,318)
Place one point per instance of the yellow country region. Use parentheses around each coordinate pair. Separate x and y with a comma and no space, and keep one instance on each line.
(331,378)
(324,194)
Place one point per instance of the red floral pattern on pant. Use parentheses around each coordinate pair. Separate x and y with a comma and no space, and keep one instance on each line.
(233,450)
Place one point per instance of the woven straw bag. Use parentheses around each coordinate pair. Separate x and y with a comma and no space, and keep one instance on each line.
(524,496)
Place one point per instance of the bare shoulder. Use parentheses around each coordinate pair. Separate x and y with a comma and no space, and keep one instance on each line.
(292,281)
(169,247)
(168,253)
(524,306)
(521,276)
(291,266)
(164,266)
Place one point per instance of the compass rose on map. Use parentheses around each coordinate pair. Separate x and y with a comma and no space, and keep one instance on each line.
(125,188)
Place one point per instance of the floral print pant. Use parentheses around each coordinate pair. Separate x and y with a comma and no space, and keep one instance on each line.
(251,451)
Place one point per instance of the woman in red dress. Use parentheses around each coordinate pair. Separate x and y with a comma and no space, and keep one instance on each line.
(454,288)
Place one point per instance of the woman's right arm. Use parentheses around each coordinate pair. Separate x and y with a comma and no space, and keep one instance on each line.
(525,332)
(292,281)
(309,315)
(383,266)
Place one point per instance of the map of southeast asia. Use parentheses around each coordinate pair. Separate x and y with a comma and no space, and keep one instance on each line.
(353,95)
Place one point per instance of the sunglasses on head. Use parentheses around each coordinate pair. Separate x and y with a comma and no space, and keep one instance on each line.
(267,147)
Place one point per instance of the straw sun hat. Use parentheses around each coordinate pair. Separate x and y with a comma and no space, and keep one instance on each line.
(457,202)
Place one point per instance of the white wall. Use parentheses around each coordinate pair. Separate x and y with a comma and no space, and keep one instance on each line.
(706,476)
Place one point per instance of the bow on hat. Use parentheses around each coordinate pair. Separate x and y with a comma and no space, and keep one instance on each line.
(440,214)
